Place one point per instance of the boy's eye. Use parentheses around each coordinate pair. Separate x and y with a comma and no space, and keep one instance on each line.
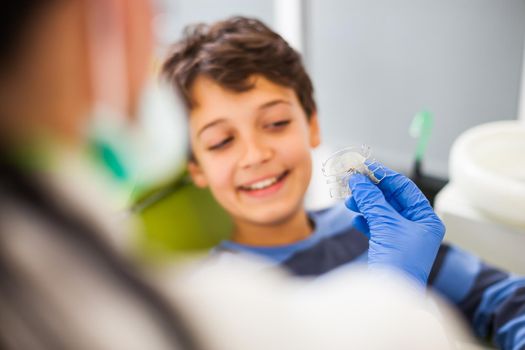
(278,124)
(220,144)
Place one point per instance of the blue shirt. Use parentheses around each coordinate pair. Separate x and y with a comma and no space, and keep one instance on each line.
(491,300)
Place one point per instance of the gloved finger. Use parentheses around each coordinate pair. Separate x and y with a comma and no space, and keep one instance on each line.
(359,222)
(351,204)
(402,193)
(369,199)
(380,172)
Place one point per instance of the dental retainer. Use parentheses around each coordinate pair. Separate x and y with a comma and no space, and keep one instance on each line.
(341,165)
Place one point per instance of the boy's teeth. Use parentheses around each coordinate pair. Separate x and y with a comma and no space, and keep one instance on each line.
(262,184)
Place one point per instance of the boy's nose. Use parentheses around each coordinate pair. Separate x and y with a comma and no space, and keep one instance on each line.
(255,153)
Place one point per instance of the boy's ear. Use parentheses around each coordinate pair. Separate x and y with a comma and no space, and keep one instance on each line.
(197,175)
(315,133)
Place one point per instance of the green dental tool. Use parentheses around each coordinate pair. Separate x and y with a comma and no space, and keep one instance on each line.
(421,129)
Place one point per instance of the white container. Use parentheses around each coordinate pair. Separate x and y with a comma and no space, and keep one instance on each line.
(487,165)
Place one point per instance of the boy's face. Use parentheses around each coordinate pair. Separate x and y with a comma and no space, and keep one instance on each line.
(252,149)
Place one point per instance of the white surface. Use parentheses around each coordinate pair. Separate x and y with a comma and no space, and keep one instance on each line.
(521,105)
(288,21)
(473,231)
(483,207)
(487,166)
(318,194)
(304,314)
(377,63)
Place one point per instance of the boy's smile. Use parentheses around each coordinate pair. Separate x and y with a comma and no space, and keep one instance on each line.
(264,186)
(252,149)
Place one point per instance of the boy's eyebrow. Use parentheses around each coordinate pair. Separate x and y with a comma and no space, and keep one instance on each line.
(272,103)
(265,105)
(209,125)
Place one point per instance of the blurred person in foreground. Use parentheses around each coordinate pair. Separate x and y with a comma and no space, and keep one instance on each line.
(66,282)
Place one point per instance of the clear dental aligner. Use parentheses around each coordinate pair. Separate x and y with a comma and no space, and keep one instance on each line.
(341,165)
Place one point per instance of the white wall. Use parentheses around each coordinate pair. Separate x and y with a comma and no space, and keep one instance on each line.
(376,63)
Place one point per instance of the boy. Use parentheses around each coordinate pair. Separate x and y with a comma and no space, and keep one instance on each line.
(253,121)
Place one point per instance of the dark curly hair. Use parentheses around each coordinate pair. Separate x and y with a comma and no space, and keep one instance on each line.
(231,51)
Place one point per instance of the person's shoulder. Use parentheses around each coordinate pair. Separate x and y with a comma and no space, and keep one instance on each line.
(221,256)
(333,220)
(338,210)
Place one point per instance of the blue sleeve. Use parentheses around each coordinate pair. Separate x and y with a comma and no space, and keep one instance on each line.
(491,300)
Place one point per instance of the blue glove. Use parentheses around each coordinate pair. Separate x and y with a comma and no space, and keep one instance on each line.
(404,232)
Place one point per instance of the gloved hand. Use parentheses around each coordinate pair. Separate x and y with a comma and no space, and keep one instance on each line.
(403,230)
